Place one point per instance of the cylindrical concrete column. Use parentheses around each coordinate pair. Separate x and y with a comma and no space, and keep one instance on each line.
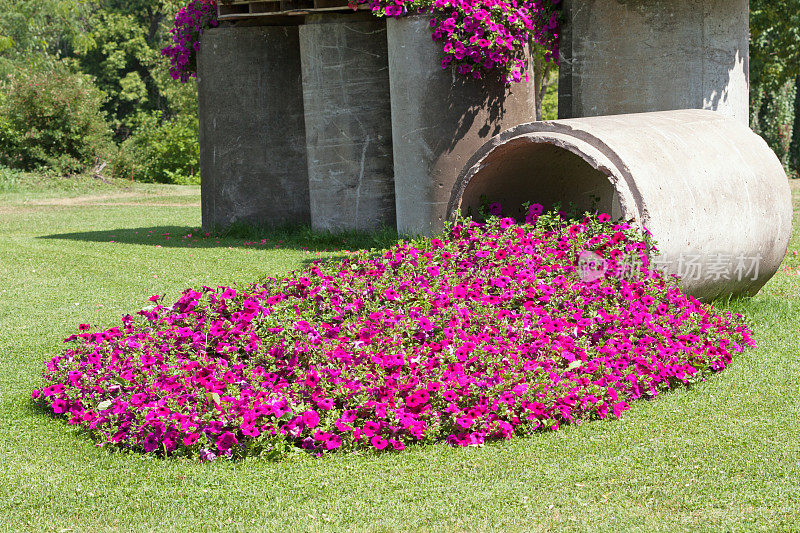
(348,121)
(252,128)
(633,56)
(712,193)
(439,119)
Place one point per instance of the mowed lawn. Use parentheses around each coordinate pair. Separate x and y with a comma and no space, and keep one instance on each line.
(724,455)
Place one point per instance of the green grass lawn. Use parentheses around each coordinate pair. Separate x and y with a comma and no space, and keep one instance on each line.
(724,455)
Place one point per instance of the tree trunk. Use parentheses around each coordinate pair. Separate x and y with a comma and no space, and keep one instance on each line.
(155,18)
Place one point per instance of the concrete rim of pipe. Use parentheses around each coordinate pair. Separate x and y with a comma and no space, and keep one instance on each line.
(702,183)
(588,148)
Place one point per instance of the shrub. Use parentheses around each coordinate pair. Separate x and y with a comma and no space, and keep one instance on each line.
(794,149)
(773,116)
(491,331)
(52,121)
(550,102)
(161,151)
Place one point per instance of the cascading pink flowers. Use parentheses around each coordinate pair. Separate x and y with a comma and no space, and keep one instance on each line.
(478,36)
(484,36)
(486,333)
(190,22)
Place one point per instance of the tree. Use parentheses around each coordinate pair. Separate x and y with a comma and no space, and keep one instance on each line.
(545,74)
(794,148)
(774,75)
(37,31)
(775,42)
(125,58)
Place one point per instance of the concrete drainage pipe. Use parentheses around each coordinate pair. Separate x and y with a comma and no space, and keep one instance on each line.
(712,193)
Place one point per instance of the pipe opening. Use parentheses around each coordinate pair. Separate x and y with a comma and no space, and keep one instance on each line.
(534,171)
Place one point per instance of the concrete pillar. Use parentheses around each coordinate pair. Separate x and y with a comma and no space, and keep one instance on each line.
(252,129)
(712,193)
(439,119)
(632,56)
(348,122)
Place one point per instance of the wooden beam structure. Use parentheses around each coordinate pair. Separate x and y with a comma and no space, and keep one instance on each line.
(232,10)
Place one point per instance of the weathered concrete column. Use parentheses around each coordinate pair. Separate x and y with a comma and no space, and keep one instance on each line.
(712,193)
(348,121)
(439,119)
(252,129)
(632,56)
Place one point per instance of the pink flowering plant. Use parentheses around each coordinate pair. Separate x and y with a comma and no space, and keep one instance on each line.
(488,332)
(190,23)
(484,36)
(478,36)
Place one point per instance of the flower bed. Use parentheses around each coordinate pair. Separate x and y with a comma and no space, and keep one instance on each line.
(493,331)
(478,36)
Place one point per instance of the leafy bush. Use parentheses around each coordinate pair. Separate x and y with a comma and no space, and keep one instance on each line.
(492,331)
(773,116)
(794,148)
(52,121)
(124,61)
(550,102)
(161,151)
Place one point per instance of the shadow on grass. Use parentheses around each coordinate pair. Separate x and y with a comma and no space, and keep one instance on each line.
(289,237)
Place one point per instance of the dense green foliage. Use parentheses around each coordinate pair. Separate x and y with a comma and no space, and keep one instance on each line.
(775,42)
(774,68)
(36,31)
(162,151)
(794,147)
(772,115)
(52,121)
(125,59)
(113,47)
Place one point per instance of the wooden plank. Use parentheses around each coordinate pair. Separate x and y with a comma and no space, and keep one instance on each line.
(265,7)
(294,5)
(247,15)
(225,10)
(321,4)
